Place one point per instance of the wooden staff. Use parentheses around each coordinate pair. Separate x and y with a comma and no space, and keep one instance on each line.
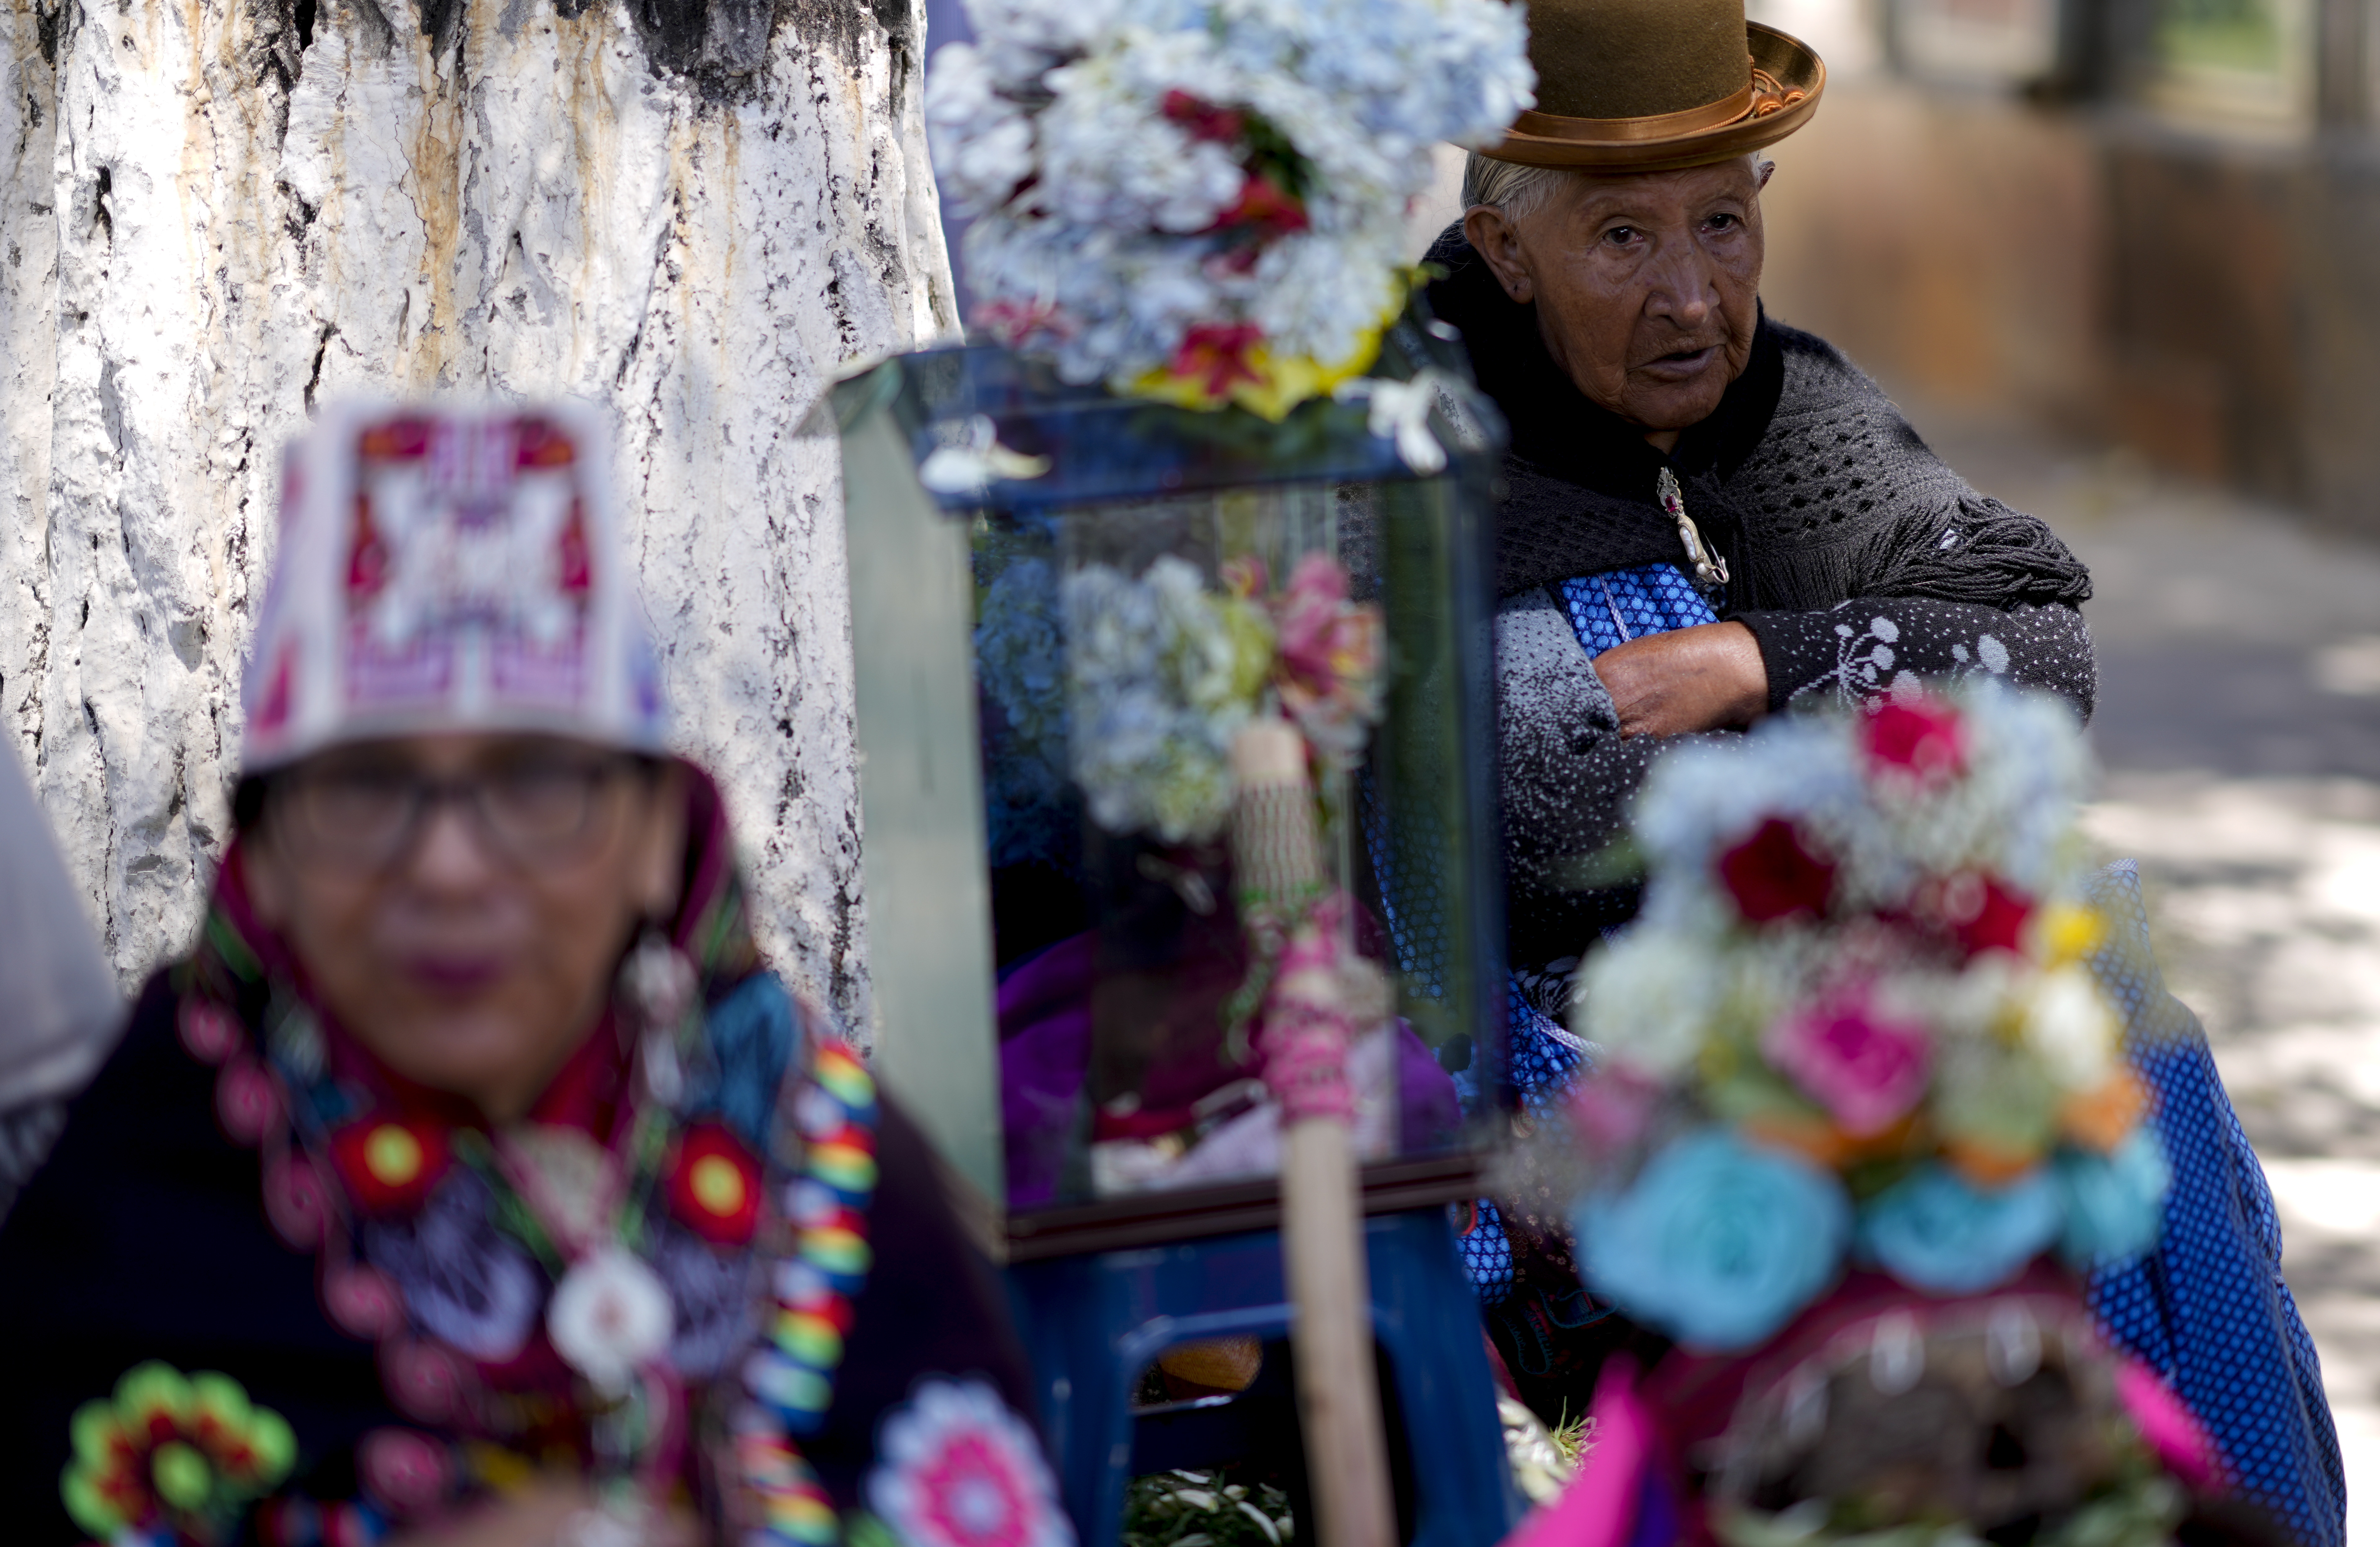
(1277,860)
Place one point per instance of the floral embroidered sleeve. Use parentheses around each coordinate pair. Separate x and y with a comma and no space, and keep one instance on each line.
(1957,583)
(1869,644)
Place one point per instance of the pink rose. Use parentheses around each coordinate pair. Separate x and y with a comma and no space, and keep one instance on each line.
(1308,615)
(1331,653)
(1867,1071)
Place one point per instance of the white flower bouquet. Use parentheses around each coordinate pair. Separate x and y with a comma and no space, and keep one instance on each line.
(1202,201)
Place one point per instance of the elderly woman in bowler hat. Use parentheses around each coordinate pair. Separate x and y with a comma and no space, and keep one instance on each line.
(1710,517)
(472,1180)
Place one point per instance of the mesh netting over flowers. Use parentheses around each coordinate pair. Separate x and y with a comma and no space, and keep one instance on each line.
(1202,200)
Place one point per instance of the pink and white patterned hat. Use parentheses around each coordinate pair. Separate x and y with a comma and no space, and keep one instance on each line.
(449,567)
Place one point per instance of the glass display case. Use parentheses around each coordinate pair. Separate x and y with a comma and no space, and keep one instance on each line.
(1079,621)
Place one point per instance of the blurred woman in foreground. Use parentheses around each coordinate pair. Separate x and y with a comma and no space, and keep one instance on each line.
(472,1180)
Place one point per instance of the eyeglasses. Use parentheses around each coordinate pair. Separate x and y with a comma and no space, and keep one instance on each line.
(365,815)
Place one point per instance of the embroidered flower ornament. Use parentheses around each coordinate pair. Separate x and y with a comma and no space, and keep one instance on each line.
(610,1316)
(714,1185)
(1861,950)
(185,1454)
(390,1165)
(1864,1068)
(956,1467)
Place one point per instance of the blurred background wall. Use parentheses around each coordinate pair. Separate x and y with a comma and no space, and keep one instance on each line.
(2150,221)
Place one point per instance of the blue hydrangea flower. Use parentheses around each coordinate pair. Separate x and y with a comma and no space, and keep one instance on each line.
(1718,1242)
(1935,1231)
(2115,1203)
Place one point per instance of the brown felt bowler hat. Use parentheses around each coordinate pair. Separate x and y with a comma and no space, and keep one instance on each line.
(1650,85)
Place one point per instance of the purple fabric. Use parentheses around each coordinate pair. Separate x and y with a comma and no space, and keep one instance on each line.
(1045,1051)
(1429,1116)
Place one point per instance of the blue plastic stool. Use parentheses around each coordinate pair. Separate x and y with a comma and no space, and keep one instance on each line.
(1092,1324)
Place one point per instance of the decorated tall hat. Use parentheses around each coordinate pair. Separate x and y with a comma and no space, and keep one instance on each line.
(446,566)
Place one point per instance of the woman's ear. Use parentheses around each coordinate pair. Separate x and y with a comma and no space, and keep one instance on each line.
(660,859)
(1496,239)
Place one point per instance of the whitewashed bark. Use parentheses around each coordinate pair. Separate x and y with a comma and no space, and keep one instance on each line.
(220,211)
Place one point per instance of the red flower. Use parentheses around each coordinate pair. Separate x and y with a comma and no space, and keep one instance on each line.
(1015,322)
(1265,206)
(1219,355)
(397,440)
(1202,119)
(390,1165)
(714,1185)
(1921,735)
(1773,875)
(1985,916)
(278,691)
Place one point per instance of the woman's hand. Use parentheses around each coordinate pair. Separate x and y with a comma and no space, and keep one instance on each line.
(1706,677)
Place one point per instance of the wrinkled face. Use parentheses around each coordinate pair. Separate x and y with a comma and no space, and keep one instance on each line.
(461,902)
(1646,285)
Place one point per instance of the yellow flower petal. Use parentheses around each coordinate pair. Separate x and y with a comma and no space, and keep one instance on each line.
(2070,933)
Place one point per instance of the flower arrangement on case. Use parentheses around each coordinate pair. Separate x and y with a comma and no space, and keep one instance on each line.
(1202,200)
(1135,688)
(1854,1024)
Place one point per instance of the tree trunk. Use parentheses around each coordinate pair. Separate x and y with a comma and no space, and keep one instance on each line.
(219,212)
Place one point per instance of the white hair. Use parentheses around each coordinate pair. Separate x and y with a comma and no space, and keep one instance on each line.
(1520,191)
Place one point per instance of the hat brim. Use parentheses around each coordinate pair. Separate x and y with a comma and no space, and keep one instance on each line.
(1622,144)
